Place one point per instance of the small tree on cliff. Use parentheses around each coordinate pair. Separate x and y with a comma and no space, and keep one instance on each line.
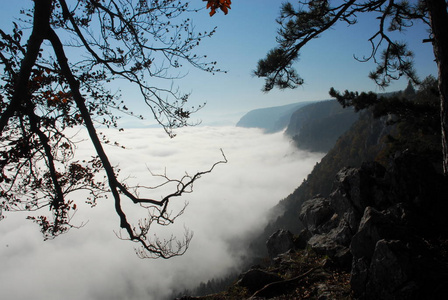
(302,24)
(46,89)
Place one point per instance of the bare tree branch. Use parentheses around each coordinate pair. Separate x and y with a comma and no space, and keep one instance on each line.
(42,96)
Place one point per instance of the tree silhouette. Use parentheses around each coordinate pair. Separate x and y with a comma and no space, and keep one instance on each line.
(58,80)
(300,24)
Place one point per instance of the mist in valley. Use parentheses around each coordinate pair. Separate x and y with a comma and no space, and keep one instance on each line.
(227,207)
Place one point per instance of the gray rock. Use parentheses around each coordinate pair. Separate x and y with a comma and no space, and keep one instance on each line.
(324,244)
(381,224)
(345,210)
(359,276)
(371,227)
(280,242)
(315,213)
(362,187)
(390,270)
(303,238)
(382,264)
(342,234)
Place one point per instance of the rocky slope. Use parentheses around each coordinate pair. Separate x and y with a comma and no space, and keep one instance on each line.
(388,226)
(382,233)
(363,142)
(368,223)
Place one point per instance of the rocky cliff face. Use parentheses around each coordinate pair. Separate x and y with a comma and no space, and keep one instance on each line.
(375,230)
(363,142)
(382,233)
(387,226)
(316,127)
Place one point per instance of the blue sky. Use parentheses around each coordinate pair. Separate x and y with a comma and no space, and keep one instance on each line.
(246,34)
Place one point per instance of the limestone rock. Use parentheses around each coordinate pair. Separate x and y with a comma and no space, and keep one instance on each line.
(315,213)
(371,227)
(303,238)
(390,271)
(280,242)
(387,226)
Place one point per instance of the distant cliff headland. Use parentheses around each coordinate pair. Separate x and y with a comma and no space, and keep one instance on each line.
(313,125)
(271,119)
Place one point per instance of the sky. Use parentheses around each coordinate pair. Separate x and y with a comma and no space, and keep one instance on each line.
(225,207)
(244,36)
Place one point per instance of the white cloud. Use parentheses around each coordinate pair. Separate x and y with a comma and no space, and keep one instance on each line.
(226,206)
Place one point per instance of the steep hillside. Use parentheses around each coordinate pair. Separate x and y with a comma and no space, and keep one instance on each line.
(365,141)
(369,222)
(270,119)
(316,127)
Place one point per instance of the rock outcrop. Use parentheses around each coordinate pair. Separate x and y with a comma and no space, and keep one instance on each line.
(279,242)
(388,227)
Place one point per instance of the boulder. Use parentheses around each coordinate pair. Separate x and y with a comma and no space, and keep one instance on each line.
(361,187)
(373,224)
(280,242)
(324,244)
(390,271)
(315,213)
(390,259)
(303,238)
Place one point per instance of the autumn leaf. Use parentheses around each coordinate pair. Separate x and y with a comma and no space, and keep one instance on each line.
(213,5)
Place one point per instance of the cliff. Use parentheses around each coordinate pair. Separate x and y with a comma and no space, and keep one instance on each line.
(387,226)
(313,126)
(369,222)
(316,127)
(270,119)
(380,234)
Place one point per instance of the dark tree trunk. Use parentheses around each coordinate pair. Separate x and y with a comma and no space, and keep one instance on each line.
(41,24)
(439,25)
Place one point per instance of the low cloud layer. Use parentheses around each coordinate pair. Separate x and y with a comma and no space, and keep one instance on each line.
(226,206)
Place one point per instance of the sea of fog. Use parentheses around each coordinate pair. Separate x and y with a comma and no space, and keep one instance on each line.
(225,208)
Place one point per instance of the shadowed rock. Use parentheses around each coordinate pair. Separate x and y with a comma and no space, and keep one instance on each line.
(280,242)
(256,279)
